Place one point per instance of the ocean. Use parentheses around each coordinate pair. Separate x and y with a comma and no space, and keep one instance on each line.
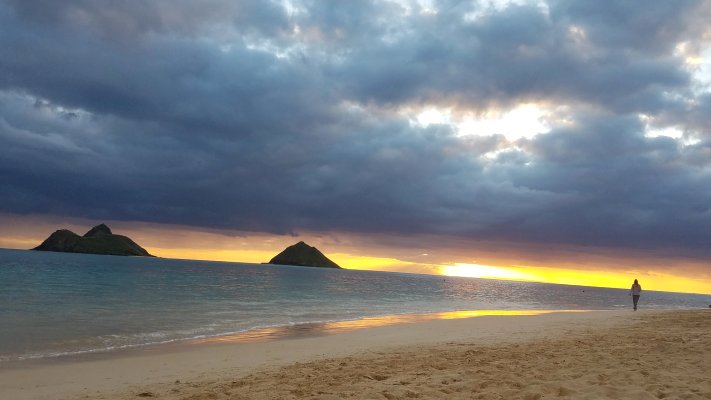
(58,304)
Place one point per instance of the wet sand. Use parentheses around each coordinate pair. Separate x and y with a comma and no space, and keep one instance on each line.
(592,355)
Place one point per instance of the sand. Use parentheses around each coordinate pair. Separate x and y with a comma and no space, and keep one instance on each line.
(616,355)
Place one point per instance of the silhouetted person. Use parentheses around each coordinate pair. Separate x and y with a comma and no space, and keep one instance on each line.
(635,291)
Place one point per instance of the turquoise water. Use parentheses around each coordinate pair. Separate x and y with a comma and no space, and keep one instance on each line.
(56,304)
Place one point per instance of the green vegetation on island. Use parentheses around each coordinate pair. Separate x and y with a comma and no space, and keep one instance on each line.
(99,240)
(303,255)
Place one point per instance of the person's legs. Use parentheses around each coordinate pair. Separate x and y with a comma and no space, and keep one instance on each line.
(635,299)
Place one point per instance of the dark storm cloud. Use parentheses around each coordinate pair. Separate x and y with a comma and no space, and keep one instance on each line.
(129,18)
(516,54)
(620,25)
(627,188)
(281,117)
(691,117)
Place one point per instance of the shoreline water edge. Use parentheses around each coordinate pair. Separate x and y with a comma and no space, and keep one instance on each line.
(58,304)
(197,368)
(268,334)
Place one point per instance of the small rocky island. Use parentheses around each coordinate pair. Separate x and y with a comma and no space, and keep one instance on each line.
(303,255)
(99,240)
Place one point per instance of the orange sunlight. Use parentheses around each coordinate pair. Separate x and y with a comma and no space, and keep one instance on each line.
(350,261)
(650,280)
(572,267)
(483,271)
(245,256)
(345,260)
(598,278)
(272,333)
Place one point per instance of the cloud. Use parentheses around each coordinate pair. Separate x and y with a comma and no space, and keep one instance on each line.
(296,116)
(130,19)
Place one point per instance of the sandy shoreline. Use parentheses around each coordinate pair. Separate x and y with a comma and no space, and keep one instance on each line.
(607,354)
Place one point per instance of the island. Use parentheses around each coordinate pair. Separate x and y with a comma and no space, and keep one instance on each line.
(99,240)
(303,255)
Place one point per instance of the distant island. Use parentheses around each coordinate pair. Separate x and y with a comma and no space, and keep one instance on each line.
(99,240)
(303,255)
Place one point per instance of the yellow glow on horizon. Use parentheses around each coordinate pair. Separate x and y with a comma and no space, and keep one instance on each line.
(565,276)
(482,271)
(350,261)
(573,266)
(18,243)
(245,256)
(347,261)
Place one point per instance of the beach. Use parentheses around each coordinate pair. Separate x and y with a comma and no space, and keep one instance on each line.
(586,355)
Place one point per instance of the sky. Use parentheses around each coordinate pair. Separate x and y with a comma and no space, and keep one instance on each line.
(556,141)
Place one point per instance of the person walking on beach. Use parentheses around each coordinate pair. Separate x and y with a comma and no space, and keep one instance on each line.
(635,292)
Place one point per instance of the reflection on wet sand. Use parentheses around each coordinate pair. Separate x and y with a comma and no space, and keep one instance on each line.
(327,328)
